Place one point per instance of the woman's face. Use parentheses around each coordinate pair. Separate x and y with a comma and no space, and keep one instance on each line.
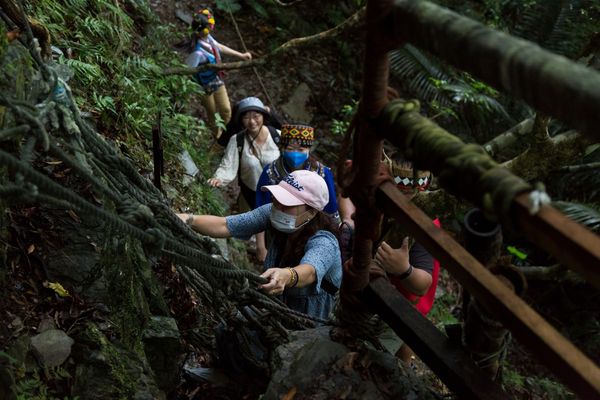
(252,121)
(297,148)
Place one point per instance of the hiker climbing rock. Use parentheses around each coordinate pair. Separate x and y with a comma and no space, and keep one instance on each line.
(295,144)
(409,266)
(303,264)
(207,50)
(248,151)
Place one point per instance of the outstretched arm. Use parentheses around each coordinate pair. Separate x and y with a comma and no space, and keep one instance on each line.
(281,278)
(231,52)
(209,225)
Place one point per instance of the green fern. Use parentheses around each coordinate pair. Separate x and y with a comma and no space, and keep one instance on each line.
(459,96)
(418,73)
(85,72)
(228,5)
(560,26)
(580,213)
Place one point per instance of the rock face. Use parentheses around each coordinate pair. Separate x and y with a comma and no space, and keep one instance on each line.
(162,347)
(297,105)
(51,347)
(312,366)
(107,370)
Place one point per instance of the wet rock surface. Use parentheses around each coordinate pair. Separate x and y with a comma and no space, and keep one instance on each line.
(312,366)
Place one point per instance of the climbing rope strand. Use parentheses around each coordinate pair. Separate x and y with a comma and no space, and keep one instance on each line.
(262,85)
(9,133)
(150,237)
(142,212)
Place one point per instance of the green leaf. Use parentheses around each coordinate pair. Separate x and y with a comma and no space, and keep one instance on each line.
(232,6)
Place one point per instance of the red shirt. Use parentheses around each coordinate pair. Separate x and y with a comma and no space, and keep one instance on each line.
(425,302)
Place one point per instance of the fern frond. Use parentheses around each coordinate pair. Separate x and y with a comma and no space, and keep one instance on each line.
(580,213)
(84,72)
(556,25)
(418,73)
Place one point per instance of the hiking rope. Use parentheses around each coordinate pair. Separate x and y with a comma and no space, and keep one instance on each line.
(262,85)
(53,129)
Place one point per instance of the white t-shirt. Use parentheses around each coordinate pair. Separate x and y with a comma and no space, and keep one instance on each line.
(253,160)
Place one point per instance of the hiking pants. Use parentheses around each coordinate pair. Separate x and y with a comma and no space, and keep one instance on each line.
(217,102)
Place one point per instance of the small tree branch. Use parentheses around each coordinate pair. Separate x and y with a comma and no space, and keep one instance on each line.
(508,138)
(580,167)
(554,272)
(282,4)
(352,22)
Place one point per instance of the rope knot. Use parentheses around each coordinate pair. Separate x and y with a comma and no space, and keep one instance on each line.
(158,240)
(136,213)
(538,198)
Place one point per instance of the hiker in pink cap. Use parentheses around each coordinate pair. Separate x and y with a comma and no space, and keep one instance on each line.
(303,264)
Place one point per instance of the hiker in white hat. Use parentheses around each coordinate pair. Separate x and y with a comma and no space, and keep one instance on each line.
(303,264)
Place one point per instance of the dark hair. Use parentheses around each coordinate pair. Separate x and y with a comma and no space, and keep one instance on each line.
(296,241)
(199,22)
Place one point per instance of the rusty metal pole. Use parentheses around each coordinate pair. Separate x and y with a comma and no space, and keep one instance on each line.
(367,153)
(485,337)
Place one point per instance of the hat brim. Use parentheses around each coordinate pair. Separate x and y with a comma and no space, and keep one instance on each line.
(251,108)
(283,196)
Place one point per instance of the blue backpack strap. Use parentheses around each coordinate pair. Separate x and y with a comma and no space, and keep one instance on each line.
(207,76)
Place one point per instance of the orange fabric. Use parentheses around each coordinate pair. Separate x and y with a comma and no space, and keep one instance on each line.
(425,302)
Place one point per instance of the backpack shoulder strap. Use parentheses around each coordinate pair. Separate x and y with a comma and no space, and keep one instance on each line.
(274,134)
(239,137)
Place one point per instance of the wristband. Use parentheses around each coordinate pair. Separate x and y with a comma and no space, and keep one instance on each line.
(406,273)
(293,278)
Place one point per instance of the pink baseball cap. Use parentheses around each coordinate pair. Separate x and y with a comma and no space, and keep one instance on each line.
(301,187)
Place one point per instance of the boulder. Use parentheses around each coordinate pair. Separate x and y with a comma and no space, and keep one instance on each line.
(297,105)
(51,347)
(312,366)
(107,370)
(163,350)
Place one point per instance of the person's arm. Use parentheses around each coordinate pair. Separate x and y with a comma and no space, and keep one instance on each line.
(209,225)
(347,210)
(261,247)
(396,262)
(281,278)
(195,59)
(228,168)
(261,199)
(231,52)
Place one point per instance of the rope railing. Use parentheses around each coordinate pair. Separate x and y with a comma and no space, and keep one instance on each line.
(521,69)
(467,171)
(132,206)
(549,82)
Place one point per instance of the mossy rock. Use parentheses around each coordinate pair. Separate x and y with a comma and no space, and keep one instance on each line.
(107,370)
